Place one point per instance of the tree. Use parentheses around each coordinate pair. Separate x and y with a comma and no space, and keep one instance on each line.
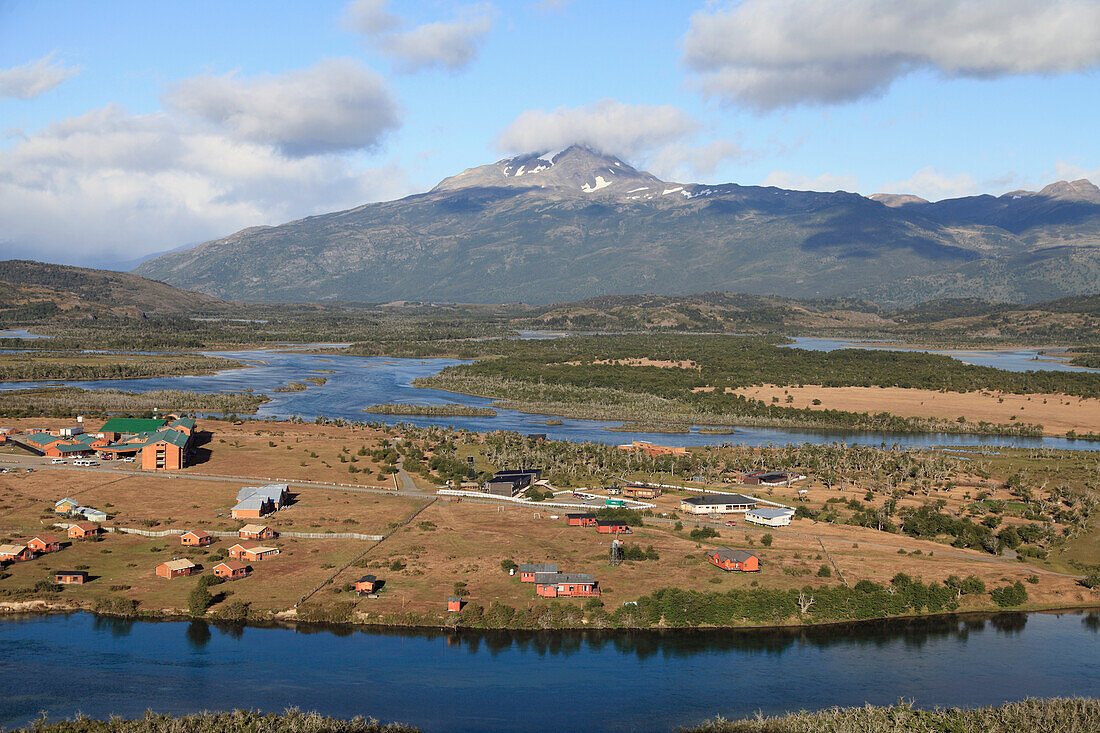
(199,600)
(766,540)
(824,572)
(804,601)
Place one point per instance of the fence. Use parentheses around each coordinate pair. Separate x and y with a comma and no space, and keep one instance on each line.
(527,502)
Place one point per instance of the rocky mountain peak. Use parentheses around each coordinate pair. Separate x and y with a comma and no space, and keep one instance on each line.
(576,169)
(1080,190)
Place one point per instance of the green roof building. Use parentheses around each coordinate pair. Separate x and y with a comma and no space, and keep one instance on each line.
(131,425)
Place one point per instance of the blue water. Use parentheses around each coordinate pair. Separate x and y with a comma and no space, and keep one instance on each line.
(21,333)
(1022,360)
(358,382)
(530,682)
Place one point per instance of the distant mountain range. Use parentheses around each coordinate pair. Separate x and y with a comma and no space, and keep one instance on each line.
(574,224)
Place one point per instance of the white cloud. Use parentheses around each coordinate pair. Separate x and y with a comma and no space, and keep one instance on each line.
(452,45)
(626,130)
(1071,172)
(929,183)
(370,17)
(109,184)
(769,54)
(34,78)
(331,106)
(682,161)
(827,182)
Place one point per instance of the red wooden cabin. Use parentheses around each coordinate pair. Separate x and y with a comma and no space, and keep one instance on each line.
(727,559)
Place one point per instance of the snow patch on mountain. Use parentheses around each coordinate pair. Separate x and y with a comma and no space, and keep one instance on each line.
(601,182)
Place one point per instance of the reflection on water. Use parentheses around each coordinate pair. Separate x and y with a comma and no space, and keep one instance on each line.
(474,681)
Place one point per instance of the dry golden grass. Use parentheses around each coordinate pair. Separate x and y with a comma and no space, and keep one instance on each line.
(1056,413)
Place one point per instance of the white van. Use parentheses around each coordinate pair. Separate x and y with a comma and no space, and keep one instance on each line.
(56,461)
(85,462)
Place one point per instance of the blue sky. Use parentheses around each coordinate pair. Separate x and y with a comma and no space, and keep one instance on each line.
(135,127)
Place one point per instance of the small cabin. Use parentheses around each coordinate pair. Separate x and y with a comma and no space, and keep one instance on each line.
(641,491)
(527,572)
(257,532)
(232,570)
(454,604)
(581,519)
(250,552)
(566,585)
(176,568)
(44,543)
(70,577)
(65,506)
(366,584)
(15,553)
(84,530)
(770,516)
(612,526)
(729,560)
(196,538)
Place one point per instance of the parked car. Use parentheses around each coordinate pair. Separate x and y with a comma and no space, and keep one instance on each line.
(57,461)
(731,523)
(127,459)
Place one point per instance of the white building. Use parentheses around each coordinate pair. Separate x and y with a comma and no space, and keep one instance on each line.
(769,516)
(717,504)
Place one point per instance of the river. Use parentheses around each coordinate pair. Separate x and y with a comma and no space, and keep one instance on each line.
(356,382)
(573,681)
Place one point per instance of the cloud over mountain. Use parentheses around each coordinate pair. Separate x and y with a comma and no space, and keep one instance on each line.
(628,131)
(770,54)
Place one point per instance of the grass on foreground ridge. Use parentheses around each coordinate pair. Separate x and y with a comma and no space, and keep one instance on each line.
(1055,715)
(238,721)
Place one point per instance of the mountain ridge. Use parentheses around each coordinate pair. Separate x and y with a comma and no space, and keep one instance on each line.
(572,224)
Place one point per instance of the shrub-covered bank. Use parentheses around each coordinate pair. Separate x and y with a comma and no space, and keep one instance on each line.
(1056,715)
(238,721)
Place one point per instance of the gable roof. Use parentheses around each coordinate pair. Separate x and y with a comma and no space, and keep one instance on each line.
(183,422)
(253,528)
(80,573)
(196,533)
(231,564)
(559,578)
(12,549)
(770,513)
(66,500)
(581,515)
(41,439)
(725,553)
(368,579)
(180,564)
(131,425)
(252,502)
(46,538)
(85,526)
(175,437)
(528,568)
(708,499)
(275,492)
